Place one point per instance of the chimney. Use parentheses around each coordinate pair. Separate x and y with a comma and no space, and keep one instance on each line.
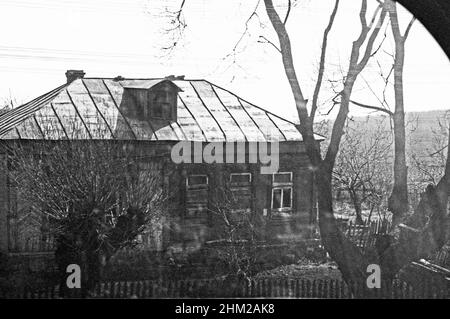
(174,78)
(73,75)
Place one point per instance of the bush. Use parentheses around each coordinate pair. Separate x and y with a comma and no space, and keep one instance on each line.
(207,262)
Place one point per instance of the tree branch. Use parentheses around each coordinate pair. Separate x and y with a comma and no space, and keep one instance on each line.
(322,61)
(376,108)
(269,42)
(288,63)
(353,72)
(288,12)
(408,28)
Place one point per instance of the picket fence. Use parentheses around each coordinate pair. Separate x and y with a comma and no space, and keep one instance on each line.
(364,235)
(259,288)
(34,244)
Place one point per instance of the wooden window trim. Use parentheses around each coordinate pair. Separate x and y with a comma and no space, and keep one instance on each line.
(198,185)
(241,174)
(282,209)
(291,177)
(152,94)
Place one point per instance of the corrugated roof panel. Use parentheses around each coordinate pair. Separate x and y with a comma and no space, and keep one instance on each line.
(95,86)
(62,98)
(115,120)
(227,122)
(106,106)
(188,124)
(289,130)
(116,90)
(251,131)
(49,124)
(163,130)
(178,131)
(264,123)
(71,121)
(141,129)
(204,119)
(29,130)
(14,117)
(92,119)
(10,135)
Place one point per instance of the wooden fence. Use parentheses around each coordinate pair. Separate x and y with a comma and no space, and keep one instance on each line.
(34,244)
(364,235)
(270,288)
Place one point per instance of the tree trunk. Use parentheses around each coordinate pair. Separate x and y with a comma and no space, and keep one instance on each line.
(351,262)
(391,256)
(357,205)
(398,201)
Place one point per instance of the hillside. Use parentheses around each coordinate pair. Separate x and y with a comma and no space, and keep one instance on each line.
(425,131)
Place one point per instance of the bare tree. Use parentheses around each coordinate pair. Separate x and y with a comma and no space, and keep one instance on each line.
(362,167)
(398,201)
(94,197)
(424,231)
(238,231)
(350,260)
(428,163)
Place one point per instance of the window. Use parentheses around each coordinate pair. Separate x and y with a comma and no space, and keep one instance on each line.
(240,185)
(240,178)
(194,181)
(163,102)
(282,191)
(282,198)
(197,196)
(282,178)
(153,99)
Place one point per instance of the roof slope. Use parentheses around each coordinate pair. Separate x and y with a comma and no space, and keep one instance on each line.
(92,108)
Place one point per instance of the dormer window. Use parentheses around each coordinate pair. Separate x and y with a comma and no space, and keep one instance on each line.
(163,102)
(154,99)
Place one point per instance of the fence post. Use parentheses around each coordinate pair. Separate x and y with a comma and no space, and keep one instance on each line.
(134,293)
(297,288)
(326,289)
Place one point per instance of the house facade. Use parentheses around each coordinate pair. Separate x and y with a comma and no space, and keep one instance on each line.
(168,118)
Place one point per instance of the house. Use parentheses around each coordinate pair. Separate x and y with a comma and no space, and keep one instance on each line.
(156,115)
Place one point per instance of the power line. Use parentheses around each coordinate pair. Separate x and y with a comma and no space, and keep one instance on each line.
(124,9)
(70,51)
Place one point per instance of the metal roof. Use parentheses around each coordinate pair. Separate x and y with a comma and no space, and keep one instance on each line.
(94,108)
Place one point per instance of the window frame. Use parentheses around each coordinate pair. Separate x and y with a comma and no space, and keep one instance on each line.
(282,186)
(240,174)
(152,96)
(197,185)
(196,214)
(291,176)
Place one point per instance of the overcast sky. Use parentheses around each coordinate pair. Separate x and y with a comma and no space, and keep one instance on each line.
(41,39)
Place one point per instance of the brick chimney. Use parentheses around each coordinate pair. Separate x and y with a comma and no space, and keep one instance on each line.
(73,75)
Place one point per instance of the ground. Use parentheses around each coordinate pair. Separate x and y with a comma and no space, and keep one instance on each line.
(304,268)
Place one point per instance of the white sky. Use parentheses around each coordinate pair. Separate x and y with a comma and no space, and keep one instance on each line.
(41,39)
